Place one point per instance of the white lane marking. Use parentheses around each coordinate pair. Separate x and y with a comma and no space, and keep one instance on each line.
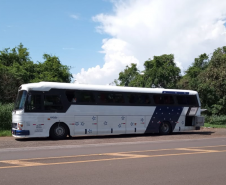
(99,145)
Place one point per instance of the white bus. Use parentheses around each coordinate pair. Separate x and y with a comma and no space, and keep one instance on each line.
(59,110)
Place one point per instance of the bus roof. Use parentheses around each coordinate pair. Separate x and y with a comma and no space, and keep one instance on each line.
(46,86)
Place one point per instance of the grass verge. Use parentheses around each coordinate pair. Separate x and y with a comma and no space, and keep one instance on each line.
(214,126)
(5,133)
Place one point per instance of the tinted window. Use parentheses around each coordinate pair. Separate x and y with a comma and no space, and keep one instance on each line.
(119,99)
(34,102)
(86,97)
(110,98)
(138,98)
(20,100)
(162,99)
(70,95)
(187,100)
(53,103)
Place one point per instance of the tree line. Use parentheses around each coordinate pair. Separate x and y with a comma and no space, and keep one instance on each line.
(206,75)
(16,68)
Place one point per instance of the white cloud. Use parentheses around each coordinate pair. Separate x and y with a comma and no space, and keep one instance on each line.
(116,58)
(74,16)
(141,29)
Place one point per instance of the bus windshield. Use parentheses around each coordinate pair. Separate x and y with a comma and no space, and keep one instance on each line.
(20,100)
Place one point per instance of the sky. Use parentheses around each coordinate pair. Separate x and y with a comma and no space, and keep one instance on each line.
(98,38)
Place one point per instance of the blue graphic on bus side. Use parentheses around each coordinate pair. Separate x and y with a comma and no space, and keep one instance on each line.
(169,114)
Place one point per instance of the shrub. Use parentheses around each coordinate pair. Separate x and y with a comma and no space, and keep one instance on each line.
(6,116)
(216,120)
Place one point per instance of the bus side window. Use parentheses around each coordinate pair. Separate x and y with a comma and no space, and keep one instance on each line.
(131,98)
(52,103)
(119,99)
(162,99)
(138,99)
(34,103)
(182,100)
(110,98)
(187,100)
(158,99)
(70,95)
(86,97)
(192,100)
(143,99)
(102,97)
(147,99)
(168,100)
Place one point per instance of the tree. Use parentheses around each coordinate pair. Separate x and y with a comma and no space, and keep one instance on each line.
(159,72)
(51,70)
(16,68)
(207,76)
(17,62)
(212,84)
(128,75)
(8,85)
(191,80)
(18,55)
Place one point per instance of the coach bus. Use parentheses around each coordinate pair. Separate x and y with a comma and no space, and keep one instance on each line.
(59,110)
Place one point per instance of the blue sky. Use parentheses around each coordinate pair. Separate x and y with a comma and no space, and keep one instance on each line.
(59,27)
(129,31)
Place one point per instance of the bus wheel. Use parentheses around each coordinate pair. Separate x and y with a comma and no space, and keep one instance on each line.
(58,131)
(165,128)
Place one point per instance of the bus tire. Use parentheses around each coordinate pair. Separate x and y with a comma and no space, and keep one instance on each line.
(165,128)
(59,131)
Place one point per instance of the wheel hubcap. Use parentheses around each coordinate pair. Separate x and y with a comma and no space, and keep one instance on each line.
(59,131)
(165,127)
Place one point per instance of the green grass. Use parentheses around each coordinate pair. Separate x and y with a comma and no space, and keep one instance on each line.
(5,133)
(216,120)
(214,125)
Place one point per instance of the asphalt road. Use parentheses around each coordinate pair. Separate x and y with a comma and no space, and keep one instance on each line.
(184,161)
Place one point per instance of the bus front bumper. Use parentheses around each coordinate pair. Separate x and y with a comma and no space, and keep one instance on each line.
(20,132)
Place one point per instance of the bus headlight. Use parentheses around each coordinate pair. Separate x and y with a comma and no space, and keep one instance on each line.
(192,111)
(20,126)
